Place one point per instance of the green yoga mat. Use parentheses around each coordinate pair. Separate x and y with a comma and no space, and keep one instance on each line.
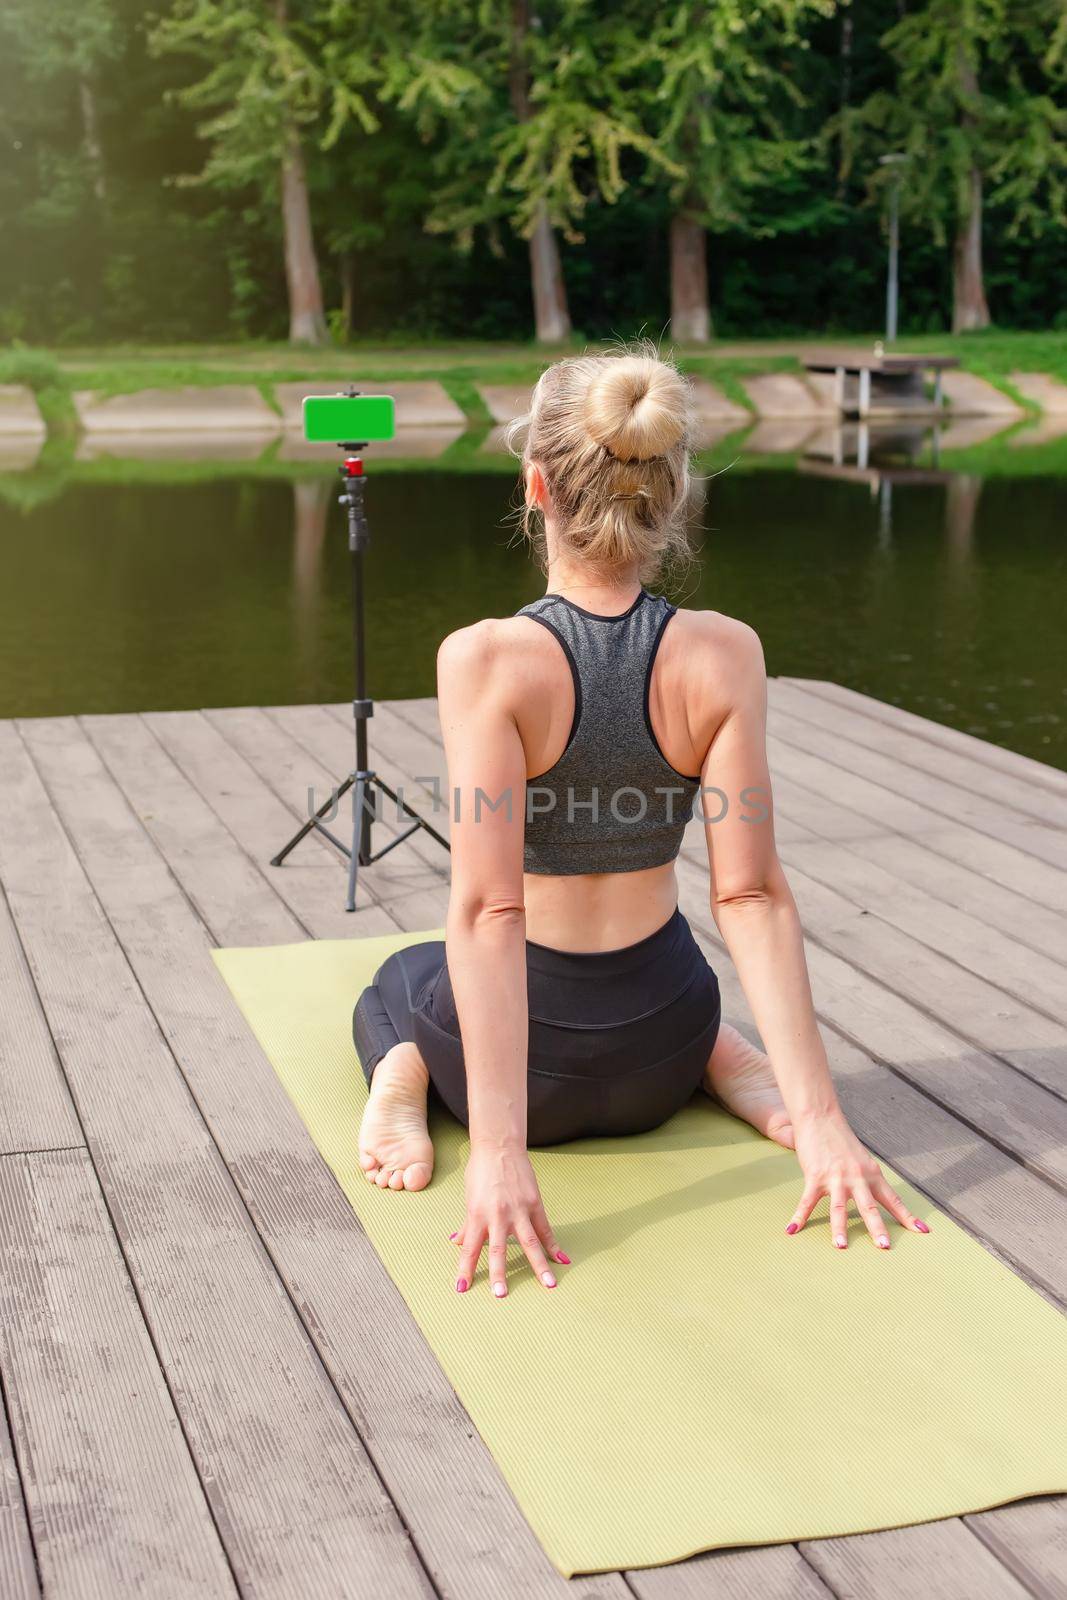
(699,1378)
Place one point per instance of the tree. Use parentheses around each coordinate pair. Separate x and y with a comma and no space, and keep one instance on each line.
(552,318)
(719,81)
(977,112)
(62,50)
(529,126)
(277,70)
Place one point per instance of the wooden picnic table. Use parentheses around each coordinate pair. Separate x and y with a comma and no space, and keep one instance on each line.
(883,384)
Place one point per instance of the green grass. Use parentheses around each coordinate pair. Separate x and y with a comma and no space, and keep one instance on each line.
(460,366)
(995,354)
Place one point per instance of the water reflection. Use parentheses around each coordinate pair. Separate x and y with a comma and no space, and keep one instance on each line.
(884,456)
(313,500)
(924,567)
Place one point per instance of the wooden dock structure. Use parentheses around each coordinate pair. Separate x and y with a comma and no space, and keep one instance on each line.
(211,1386)
(883,385)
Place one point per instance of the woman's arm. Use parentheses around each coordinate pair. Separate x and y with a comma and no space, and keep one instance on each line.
(485,944)
(755,912)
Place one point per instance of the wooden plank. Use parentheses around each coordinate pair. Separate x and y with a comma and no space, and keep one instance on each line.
(232,894)
(972,773)
(950,803)
(420,711)
(1029,1040)
(36,1112)
(312,881)
(466,1525)
(1029,1528)
(1007,864)
(819,816)
(298,1503)
(982,948)
(938,1560)
(1028,924)
(18,1563)
(771,1572)
(1033,927)
(939,734)
(115,1501)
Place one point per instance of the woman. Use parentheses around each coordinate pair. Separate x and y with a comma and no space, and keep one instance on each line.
(569,997)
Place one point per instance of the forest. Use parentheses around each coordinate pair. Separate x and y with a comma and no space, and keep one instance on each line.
(328,170)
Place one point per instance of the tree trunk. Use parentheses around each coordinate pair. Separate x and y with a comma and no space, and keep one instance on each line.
(552,318)
(348,292)
(690,313)
(91,137)
(962,494)
(307,324)
(313,499)
(844,100)
(969,307)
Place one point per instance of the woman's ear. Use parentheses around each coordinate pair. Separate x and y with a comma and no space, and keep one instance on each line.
(536,488)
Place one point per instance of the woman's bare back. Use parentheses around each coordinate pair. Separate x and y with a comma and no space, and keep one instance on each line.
(689,695)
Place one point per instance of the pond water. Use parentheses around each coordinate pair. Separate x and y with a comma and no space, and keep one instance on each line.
(158,587)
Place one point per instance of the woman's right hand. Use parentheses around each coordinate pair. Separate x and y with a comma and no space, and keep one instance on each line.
(503,1201)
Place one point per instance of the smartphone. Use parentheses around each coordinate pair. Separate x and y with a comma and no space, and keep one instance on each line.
(349,419)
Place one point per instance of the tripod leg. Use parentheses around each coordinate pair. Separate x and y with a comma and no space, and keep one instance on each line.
(357,834)
(303,832)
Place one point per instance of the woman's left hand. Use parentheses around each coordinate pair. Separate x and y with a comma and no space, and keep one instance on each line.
(835,1163)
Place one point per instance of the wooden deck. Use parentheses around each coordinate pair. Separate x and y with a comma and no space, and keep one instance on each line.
(211,1387)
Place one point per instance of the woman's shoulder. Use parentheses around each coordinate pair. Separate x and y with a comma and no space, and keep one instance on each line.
(724,641)
(479,643)
(501,649)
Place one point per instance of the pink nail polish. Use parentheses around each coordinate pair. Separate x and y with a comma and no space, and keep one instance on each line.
(841,1242)
(461,1285)
(561,1257)
(921,1226)
(500,1290)
(883,1241)
(453,1236)
(792,1228)
(548,1280)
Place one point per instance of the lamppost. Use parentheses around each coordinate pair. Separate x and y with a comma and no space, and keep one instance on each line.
(894,162)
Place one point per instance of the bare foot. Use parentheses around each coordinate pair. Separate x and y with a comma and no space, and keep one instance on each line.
(395,1150)
(740,1077)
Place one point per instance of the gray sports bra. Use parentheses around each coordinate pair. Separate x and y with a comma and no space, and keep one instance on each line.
(612,802)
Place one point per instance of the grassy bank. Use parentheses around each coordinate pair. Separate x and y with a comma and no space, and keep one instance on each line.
(461,366)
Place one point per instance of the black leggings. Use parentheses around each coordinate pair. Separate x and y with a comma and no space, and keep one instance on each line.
(619,1039)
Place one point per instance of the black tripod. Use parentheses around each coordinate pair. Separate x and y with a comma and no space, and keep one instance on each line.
(365,782)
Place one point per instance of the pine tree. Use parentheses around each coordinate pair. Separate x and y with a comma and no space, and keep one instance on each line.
(720,82)
(279,77)
(977,111)
(529,125)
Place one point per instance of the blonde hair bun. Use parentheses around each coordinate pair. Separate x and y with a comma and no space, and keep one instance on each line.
(610,434)
(637,408)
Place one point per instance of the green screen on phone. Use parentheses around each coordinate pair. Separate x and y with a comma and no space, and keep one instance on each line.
(348,419)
